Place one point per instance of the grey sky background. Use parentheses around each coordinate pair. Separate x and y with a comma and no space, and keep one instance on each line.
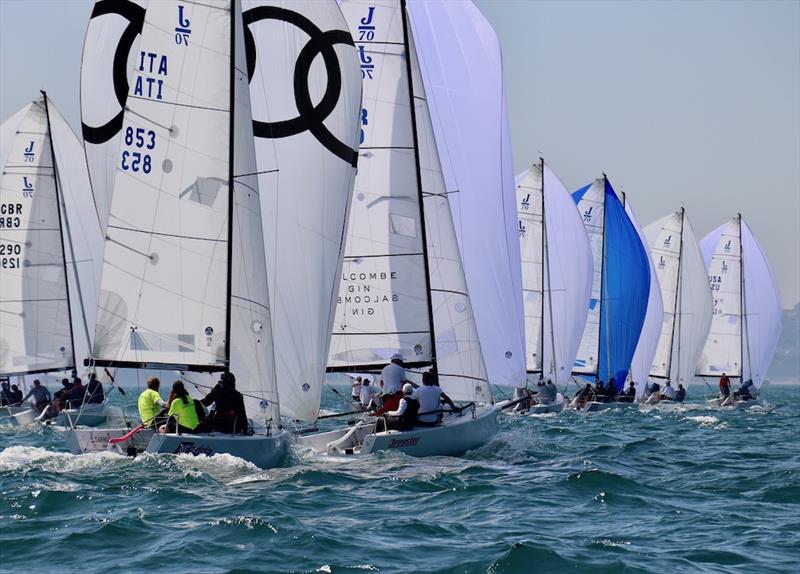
(680,103)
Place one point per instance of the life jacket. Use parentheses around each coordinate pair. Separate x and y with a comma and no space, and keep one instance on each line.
(148,407)
(409,418)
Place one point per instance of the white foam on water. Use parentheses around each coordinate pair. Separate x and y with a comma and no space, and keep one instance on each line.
(704,420)
(33,457)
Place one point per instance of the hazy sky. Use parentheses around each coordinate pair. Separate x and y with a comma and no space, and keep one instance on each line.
(693,103)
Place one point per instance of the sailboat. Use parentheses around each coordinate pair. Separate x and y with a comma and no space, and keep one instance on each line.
(403,288)
(685,297)
(48,239)
(747,311)
(620,288)
(462,69)
(171,152)
(557,277)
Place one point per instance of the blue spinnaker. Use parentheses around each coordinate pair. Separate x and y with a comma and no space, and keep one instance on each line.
(625,283)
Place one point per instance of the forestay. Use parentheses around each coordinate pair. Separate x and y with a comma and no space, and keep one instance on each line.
(620,300)
(396,285)
(557,272)
(461,61)
(305,86)
(653,319)
(685,296)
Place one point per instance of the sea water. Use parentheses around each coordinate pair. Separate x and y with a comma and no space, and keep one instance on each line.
(688,490)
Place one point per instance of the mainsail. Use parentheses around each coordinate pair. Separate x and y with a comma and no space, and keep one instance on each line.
(556,272)
(184,279)
(43,311)
(620,286)
(685,295)
(747,309)
(306,157)
(653,320)
(403,287)
(461,64)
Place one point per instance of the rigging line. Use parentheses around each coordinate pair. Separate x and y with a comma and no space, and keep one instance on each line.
(135,113)
(162,234)
(387,255)
(276,170)
(59,205)
(177,104)
(150,257)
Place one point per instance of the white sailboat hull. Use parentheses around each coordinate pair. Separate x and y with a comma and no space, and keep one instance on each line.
(83,440)
(455,436)
(595,406)
(26,417)
(88,415)
(732,404)
(538,409)
(261,450)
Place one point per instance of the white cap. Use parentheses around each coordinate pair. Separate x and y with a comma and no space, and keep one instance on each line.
(397,357)
(408,389)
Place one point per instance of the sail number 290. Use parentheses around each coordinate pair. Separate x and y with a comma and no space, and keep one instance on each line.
(138,138)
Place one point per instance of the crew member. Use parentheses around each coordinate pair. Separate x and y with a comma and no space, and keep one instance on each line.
(151,404)
(40,394)
(182,410)
(680,394)
(228,415)
(393,377)
(405,417)
(94,390)
(430,397)
(724,386)
(669,393)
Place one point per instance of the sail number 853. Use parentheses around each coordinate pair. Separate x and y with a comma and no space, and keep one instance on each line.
(138,138)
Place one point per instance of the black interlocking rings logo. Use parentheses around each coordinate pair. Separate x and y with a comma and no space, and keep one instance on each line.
(134,14)
(310,117)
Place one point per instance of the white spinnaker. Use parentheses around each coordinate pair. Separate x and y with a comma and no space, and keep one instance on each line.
(461,66)
(36,333)
(462,372)
(685,294)
(531,237)
(569,278)
(164,294)
(382,304)
(722,352)
(83,236)
(763,308)
(591,208)
(108,76)
(305,188)
(653,319)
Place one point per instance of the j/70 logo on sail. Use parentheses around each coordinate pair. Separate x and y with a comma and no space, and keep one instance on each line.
(310,117)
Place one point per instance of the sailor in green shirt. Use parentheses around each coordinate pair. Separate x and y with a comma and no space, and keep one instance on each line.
(183,410)
(150,402)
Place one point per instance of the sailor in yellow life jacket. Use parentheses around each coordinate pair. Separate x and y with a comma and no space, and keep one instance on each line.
(185,414)
(150,402)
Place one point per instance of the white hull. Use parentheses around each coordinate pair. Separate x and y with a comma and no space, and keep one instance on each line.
(536,409)
(11,411)
(262,450)
(455,436)
(26,417)
(89,415)
(731,404)
(595,406)
(83,440)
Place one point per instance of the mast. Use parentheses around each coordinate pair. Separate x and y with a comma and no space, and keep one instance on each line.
(546,267)
(59,204)
(743,309)
(418,174)
(544,232)
(602,281)
(678,290)
(231,126)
